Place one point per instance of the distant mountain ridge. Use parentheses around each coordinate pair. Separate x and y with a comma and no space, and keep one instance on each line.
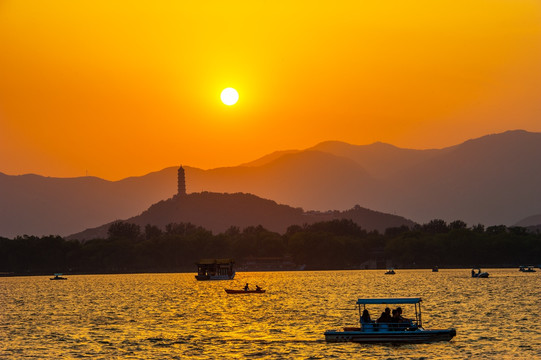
(490,180)
(220,211)
(37,205)
(533,220)
(379,159)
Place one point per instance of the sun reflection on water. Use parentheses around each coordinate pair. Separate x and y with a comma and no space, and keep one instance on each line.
(156,316)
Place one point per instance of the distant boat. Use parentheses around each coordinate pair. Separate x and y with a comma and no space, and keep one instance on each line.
(230,291)
(390,272)
(58,276)
(215,269)
(405,331)
(526,269)
(479,273)
(435,269)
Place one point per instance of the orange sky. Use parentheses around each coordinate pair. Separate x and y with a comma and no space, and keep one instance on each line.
(120,88)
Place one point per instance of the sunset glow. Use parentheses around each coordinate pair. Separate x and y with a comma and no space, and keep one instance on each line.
(116,89)
(229,96)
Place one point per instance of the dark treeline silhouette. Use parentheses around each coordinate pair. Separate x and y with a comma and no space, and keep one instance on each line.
(336,244)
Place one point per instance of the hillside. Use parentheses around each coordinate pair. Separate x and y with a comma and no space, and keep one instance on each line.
(533,220)
(490,180)
(313,180)
(38,205)
(218,212)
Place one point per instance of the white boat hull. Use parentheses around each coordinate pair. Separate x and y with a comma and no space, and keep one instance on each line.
(405,336)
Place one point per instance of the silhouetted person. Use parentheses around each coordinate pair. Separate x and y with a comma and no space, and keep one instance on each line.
(365,318)
(405,323)
(257,288)
(246,287)
(394,317)
(385,316)
(399,314)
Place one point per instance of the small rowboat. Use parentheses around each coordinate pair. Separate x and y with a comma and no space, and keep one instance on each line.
(230,291)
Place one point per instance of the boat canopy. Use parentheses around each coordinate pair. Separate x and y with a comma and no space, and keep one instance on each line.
(390,301)
(215,261)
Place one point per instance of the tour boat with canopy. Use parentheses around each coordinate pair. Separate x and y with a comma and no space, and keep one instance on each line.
(406,331)
(215,269)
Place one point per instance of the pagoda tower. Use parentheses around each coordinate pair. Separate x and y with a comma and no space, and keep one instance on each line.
(181,181)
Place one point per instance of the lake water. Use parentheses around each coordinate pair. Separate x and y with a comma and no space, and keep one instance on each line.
(173,316)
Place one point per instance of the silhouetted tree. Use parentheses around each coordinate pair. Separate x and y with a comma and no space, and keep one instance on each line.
(436,226)
(121,229)
(496,229)
(479,228)
(152,231)
(457,224)
(395,231)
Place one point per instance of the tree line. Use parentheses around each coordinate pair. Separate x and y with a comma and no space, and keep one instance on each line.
(336,244)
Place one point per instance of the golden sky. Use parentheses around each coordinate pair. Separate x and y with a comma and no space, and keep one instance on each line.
(122,88)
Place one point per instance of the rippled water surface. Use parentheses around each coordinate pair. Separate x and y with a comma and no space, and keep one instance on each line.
(173,316)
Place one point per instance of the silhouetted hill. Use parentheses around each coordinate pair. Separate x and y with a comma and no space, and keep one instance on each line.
(270,157)
(491,180)
(218,212)
(379,159)
(307,179)
(37,205)
(533,220)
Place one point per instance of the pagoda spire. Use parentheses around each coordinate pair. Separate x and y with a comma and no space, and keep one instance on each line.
(181,181)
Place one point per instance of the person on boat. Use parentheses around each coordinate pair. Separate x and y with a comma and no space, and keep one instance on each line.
(472,272)
(385,316)
(395,318)
(257,288)
(246,287)
(405,323)
(365,318)
(399,314)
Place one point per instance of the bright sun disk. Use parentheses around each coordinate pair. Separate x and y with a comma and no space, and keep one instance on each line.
(229,96)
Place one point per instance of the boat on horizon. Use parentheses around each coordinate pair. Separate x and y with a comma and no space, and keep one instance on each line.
(390,271)
(404,331)
(529,268)
(215,269)
(479,273)
(58,276)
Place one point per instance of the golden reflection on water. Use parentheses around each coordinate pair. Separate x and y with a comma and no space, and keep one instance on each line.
(169,316)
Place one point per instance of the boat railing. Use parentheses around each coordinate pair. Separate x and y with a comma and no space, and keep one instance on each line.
(413,323)
(389,326)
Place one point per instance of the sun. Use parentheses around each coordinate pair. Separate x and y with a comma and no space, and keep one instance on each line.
(229,96)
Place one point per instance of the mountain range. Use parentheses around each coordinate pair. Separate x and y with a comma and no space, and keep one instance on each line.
(489,180)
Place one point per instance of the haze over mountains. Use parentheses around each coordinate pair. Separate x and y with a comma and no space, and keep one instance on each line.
(218,212)
(490,180)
